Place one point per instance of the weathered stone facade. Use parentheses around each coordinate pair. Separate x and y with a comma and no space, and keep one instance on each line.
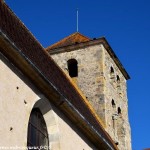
(104,85)
(117,123)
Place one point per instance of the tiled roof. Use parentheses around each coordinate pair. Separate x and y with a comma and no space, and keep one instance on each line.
(74,38)
(31,51)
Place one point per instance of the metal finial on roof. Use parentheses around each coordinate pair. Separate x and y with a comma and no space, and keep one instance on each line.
(77,20)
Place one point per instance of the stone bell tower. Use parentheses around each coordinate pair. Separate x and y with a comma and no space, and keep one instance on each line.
(97,71)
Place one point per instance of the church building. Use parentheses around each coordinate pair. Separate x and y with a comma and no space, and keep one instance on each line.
(71,95)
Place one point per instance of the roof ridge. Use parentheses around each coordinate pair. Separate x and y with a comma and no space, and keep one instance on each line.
(83,35)
(69,40)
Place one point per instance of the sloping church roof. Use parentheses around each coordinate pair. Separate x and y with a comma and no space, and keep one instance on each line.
(72,39)
(27,54)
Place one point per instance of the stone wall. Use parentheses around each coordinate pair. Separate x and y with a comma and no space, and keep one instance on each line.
(90,74)
(18,96)
(105,90)
(116,104)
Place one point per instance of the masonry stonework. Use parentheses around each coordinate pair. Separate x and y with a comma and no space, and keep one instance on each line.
(90,74)
(117,113)
(105,90)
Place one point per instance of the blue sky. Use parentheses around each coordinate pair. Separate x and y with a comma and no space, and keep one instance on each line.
(126,26)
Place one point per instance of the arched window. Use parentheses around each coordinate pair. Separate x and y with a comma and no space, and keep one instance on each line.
(118,79)
(37,130)
(111,70)
(113,103)
(112,73)
(119,110)
(72,67)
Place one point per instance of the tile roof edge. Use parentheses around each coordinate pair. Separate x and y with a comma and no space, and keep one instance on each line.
(14,14)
